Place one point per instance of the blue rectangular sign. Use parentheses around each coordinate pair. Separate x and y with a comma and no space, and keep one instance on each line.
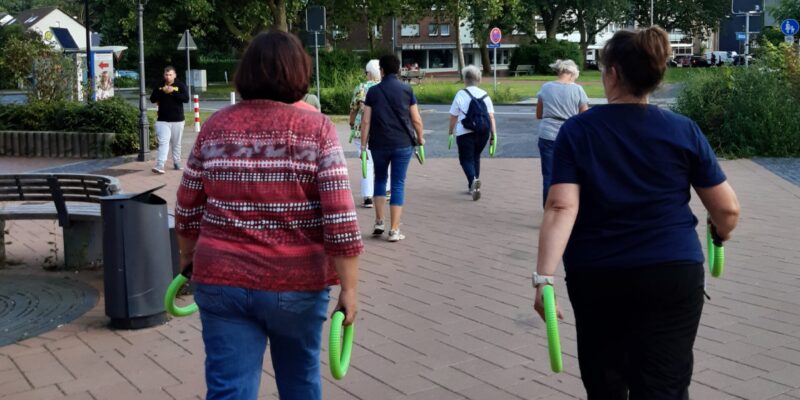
(740,36)
(493,46)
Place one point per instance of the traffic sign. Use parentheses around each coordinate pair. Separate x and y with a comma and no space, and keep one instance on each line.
(492,45)
(187,42)
(741,36)
(790,27)
(789,39)
(495,36)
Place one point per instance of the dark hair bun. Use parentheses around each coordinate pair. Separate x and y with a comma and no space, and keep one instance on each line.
(640,58)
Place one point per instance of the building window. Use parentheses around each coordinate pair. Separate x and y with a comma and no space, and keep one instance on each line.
(433,30)
(339,34)
(503,56)
(412,58)
(408,30)
(377,32)
(441,58)
(444,30)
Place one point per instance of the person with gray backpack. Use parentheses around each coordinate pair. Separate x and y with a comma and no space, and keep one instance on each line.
(472,120)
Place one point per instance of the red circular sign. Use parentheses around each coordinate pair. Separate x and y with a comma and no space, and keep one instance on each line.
(495,36)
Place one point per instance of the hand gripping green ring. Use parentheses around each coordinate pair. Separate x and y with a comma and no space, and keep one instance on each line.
(172,292)
(716,252)
(339,348)
(364,164)
(449,142)
(551,321)
(493,145)
(352,135)
(421,154)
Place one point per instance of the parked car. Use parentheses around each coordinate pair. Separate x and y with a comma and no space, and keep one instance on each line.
(126,73)
(683,61)
(700,62)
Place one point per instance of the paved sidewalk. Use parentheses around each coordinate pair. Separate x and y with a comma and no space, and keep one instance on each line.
(446,314)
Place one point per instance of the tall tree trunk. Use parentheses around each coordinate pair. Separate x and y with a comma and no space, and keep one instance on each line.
(485,60)
(278,9)
(459,45)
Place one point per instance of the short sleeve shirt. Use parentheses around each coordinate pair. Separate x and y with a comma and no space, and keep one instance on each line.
(357,101)
(461,103)
(635,165)
(390,121)
(561,102)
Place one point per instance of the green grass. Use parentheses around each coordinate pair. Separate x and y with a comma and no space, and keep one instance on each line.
(586,76)
(508,91)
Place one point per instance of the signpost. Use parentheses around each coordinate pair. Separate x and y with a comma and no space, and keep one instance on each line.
(741,36)
(790,27)
(495,36)
(315,25)
(187,43)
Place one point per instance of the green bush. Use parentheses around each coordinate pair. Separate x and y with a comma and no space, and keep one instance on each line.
(113,115)
(544,53)
(744,112)
(126,82)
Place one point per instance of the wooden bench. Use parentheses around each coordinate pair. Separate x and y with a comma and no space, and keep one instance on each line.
(72,199)
(408,76)
(523,69)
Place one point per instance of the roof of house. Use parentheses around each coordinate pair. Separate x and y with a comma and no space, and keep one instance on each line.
(6,19)
(30,17)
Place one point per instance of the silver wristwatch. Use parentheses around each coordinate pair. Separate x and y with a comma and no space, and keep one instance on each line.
(537,280)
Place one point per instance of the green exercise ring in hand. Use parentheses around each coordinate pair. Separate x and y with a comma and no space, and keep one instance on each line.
(716,252)
(364,164)
(339,348)
(551,321)
(172,292)
(450,142)
(352,135)
(421,154)
(493,145)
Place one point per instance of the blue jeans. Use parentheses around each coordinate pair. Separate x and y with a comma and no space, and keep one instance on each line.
(238,323)
(470,146)
(398,159)
(546,153)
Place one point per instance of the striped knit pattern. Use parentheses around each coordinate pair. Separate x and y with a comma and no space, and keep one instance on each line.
(266,194)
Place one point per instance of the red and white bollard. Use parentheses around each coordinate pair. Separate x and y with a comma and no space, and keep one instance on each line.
(196,101)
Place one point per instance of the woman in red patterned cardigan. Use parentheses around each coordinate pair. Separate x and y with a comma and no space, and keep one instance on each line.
(266,216)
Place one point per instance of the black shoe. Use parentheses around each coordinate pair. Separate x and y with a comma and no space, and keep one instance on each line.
(368,202)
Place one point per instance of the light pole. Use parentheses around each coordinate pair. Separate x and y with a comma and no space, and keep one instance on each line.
(651,12)
(89,58)
(144,124)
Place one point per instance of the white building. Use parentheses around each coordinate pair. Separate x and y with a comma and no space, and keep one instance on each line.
(49,21)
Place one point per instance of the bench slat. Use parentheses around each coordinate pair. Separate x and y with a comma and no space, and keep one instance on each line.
(48,211)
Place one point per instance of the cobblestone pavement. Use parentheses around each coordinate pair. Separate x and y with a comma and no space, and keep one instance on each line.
(446,314)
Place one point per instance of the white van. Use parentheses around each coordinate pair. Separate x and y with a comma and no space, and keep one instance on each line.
(725,57)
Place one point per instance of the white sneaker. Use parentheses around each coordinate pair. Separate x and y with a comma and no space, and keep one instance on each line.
(475,189)
(379,228)
(396,236)
(158,170)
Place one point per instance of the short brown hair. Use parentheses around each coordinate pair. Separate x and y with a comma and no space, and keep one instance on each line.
(170,68)
(640,58)
(275,67)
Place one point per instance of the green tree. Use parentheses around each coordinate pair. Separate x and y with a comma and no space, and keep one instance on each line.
(693,17)
(590,17)
(786,9)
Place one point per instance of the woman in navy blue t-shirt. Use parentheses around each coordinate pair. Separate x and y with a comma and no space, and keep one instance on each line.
(618,211)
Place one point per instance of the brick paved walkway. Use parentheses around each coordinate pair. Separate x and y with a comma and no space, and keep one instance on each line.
(446,314)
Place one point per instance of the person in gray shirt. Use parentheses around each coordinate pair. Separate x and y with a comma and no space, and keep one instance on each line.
(557,102)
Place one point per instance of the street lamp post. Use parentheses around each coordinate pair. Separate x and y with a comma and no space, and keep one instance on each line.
(144,124)
(651,12)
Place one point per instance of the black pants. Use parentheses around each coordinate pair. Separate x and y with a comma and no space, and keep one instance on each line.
(636,328)
(470,147)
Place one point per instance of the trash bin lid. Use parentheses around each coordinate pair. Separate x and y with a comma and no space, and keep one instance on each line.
(130,196)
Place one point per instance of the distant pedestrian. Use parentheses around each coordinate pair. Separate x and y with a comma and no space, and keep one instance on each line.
(480,117)
(312,100)
(391,125)
(169,95)
(558,101)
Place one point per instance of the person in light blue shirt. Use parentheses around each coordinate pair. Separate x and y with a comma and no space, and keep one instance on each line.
(557,101)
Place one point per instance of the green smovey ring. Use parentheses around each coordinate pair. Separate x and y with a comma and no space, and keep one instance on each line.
(352,135)
(339,348)
(716,254)
(450,142)
(421,152)
(551,321)
(493,145)
(364,164)
(172,292)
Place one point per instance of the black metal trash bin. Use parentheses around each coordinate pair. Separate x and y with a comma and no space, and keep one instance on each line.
(137,258)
